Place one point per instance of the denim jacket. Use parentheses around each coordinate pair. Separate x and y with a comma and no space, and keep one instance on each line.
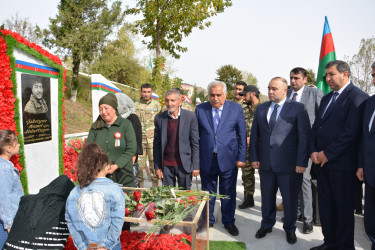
(95,214)
(11,192)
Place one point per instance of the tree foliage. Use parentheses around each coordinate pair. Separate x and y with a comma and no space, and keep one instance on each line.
(249,78)
(311,79)
(198,94)
(229,75)
(117,61)
(24,27)
(166,22)
(80,29)
(360,64)
(157,73)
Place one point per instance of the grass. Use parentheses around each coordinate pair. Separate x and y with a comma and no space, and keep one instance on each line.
(227,245)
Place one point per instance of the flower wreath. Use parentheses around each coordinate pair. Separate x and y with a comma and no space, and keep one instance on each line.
(9,103)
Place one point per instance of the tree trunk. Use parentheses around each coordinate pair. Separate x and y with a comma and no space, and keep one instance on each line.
(75,82)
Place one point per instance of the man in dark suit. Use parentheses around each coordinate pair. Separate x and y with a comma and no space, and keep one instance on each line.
(366,170)
(279,149)
(310,97)
(222,141)
(334,147)
(176,143)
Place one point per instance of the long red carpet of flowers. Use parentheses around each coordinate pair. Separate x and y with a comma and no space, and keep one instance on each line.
(137,241)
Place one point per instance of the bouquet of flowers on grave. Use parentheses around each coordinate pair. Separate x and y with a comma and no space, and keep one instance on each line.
(71,151)
(164,205)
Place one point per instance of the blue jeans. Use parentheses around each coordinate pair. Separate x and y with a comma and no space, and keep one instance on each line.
(117,246)
(3,235)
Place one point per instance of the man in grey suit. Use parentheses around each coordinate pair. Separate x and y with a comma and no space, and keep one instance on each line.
(176,143)
(310,97)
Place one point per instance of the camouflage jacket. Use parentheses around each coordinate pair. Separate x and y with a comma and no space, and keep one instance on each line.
(246,111)
(249,119)
(249,112)
(146,111)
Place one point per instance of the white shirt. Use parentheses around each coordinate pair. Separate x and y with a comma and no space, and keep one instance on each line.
(178,115)
(371,121)
(272,106)
(299,94)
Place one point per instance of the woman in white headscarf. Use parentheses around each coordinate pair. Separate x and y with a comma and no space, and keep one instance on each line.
(127,111)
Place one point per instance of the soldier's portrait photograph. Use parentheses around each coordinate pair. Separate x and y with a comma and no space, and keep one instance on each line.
(36,111)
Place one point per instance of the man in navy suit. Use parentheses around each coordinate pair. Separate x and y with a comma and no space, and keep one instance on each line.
(334,147)
(222,147)
(279,149)
(176,143)
(366,170)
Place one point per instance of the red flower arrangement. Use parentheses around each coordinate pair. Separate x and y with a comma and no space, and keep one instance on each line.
(71,152)
(135,241)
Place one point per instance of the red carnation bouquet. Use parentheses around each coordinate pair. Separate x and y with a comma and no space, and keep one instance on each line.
(167,205)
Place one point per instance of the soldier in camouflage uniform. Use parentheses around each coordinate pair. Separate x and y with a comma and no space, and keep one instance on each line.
(251,98)
(146,109)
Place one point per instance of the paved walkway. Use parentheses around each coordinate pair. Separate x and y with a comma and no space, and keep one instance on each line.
(248,222)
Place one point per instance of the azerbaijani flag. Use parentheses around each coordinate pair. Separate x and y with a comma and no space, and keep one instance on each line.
(327,54)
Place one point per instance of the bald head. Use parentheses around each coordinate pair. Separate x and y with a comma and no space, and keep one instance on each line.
(277,89)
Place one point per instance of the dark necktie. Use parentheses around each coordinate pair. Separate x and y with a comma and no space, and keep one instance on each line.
(294,98)
(216,119)
(273,117)
(334,97)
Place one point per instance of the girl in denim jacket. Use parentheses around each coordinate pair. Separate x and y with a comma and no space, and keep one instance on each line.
(10,184)
(95,208)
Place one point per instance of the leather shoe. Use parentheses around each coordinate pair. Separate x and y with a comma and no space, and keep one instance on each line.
(291,237)
(211,225)
(262,232)
(307,227)
(232,229)
(322,247)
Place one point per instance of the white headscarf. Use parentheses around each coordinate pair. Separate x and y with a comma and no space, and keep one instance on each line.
(125,105)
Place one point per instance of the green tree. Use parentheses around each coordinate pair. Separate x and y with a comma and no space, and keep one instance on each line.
(177,83)
(157,72)
(117,61)
(80,29)
(360,64)
(165,86)
(229,75)
(24,27)
(166,22)
(311,79)
(249,78)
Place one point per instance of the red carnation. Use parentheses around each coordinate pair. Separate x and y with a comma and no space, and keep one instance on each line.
(137,195)
(140,207)
(191,198)
(152,206)
(149,215)
(127,212)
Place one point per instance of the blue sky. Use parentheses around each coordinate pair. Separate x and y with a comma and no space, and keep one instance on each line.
(267,38)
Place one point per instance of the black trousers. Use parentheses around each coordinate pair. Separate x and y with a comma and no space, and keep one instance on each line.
(336,190)
(170,174)
(369,218)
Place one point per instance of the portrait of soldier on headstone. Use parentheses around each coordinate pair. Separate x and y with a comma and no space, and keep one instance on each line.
(36,101)
(36,104)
